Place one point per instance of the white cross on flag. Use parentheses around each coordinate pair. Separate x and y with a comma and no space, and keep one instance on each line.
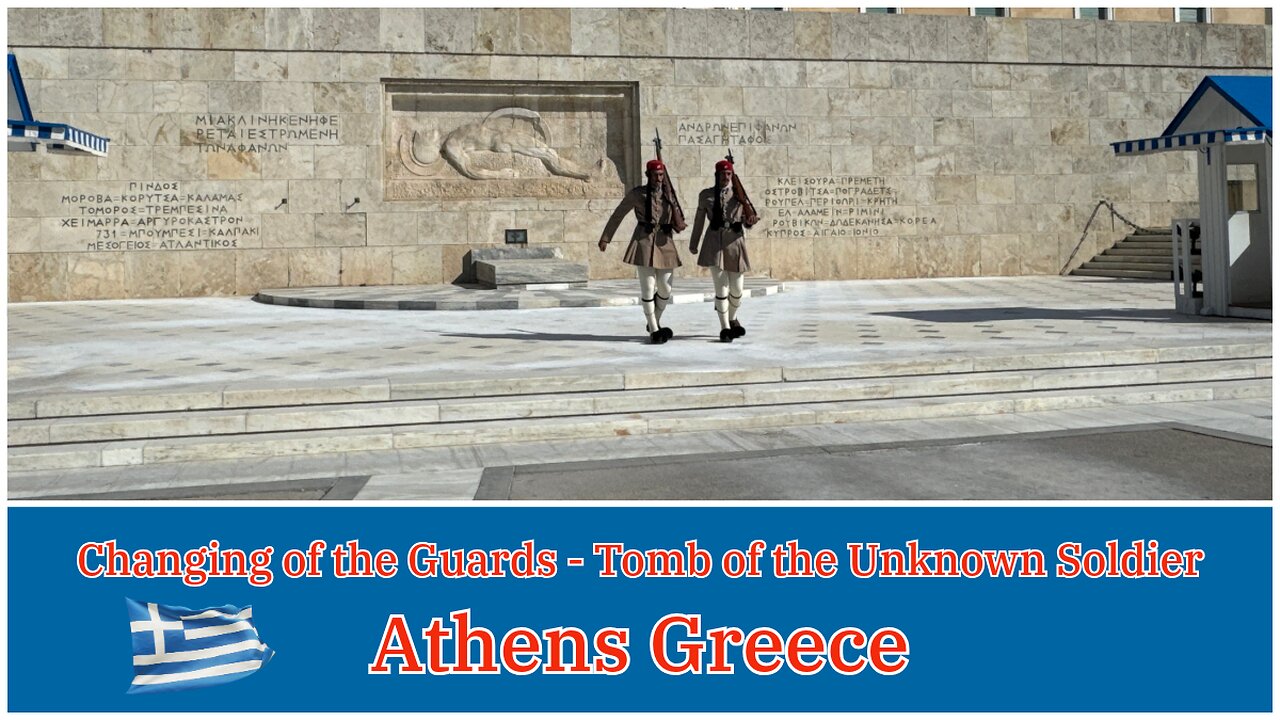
(176,648)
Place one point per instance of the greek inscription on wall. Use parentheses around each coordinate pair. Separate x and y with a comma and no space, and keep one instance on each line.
(260,132)
(149,216)
(837,206)
(737,131)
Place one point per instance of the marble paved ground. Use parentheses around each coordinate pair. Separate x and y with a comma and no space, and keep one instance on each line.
(598,293)
(139,346)
(164,345)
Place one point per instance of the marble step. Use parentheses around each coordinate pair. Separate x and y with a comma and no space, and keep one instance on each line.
(1128,274)
(1155,260)
(1123,250)
(411,412)
(1161,249)
(245,446)
(1128,264)
(247,396)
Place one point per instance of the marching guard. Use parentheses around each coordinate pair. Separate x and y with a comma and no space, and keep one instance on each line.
(727,211)
(652,250)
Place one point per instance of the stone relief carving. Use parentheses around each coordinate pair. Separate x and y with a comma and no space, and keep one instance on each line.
(501,143)
(462,145)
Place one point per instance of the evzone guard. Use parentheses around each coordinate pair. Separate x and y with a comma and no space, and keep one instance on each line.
(653,249)
(727,211)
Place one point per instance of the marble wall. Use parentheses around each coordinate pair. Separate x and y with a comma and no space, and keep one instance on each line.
(249,147)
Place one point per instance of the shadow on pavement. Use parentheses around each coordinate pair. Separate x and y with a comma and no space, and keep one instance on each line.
(971,315)
(638,338)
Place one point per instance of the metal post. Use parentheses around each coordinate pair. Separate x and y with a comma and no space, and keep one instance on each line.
(1214,246)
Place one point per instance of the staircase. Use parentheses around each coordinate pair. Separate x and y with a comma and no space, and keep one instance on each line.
(1144,255)
(88,431)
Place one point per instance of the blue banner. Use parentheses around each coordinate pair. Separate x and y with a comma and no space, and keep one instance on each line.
(643,609)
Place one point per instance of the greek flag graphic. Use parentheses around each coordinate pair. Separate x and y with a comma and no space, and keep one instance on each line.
(175,648)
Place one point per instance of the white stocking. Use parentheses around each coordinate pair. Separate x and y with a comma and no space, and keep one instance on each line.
(648,285)
(736,288)
(662,292)
(721,280)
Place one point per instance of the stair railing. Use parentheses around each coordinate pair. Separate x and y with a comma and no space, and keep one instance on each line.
(1114,214)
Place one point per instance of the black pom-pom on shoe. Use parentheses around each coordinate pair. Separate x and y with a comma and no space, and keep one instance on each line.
(736,327)
(666,333)
(726,335)
(657,338)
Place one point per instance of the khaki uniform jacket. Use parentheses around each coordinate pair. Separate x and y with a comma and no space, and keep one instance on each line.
(722,247)
(651,246)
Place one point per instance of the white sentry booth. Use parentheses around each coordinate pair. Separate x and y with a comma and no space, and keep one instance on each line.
(1222,260)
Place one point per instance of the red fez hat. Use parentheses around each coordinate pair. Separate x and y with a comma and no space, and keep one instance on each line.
(723,164)
(653,165)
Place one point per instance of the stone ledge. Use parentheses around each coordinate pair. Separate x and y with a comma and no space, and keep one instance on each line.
(737,389)
(531,274)
(267,445)
(103,405)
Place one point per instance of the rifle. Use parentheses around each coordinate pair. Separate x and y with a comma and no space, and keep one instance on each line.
(750,217)
(668,190)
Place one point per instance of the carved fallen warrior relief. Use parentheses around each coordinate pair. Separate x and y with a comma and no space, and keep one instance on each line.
(493,141)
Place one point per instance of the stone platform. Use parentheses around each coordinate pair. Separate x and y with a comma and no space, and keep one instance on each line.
(527,268)
(598,293)
(177,398)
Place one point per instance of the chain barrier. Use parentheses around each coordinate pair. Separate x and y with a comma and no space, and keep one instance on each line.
(1114,214)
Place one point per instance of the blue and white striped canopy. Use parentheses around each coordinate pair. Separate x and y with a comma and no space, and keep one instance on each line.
(57,137)
(1190,140)
(26,133)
